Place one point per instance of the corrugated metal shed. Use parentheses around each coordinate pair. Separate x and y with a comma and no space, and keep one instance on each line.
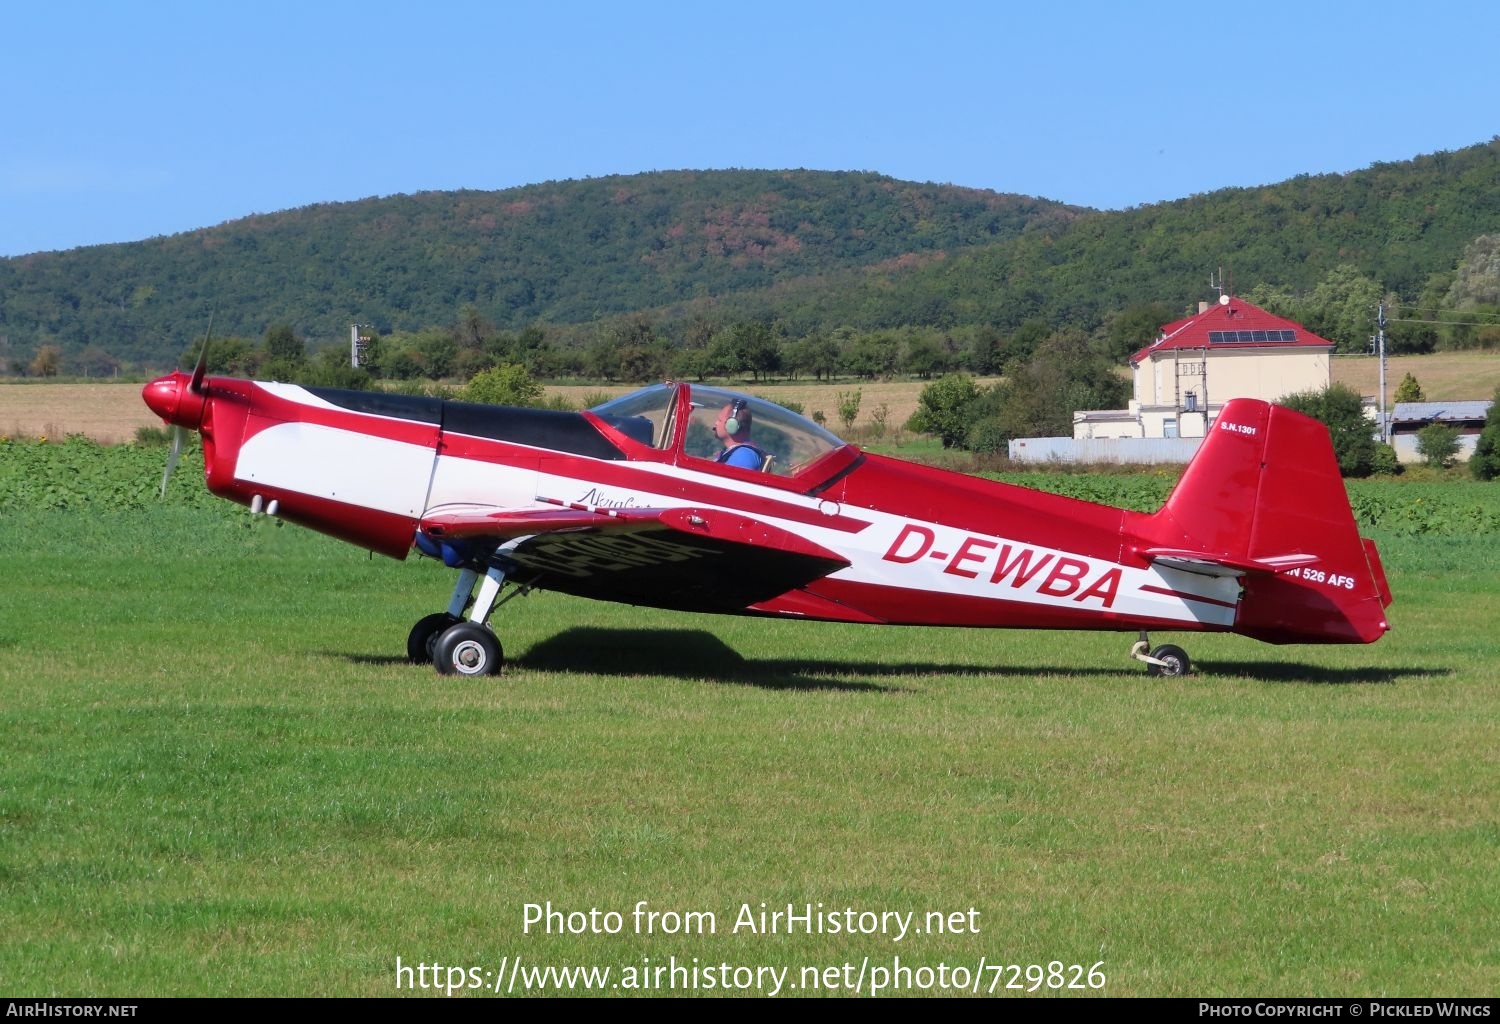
(1439,412)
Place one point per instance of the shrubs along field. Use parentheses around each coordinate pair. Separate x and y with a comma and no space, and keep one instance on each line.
(82,475)
(221,777)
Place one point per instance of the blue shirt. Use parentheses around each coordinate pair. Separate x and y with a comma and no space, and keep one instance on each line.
(746,456)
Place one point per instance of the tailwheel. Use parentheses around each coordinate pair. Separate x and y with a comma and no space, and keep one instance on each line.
(1169,660)
(423,636)
(467,649)
(1166,660)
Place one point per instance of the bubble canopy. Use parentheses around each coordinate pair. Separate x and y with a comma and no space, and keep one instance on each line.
(678,417)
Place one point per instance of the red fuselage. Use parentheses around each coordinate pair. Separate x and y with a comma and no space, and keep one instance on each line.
(839,535)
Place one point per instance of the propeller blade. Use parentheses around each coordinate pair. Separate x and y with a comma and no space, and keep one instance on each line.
(179,435)
(196,384)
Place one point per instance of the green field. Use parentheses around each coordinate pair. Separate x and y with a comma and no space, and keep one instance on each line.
(220,778)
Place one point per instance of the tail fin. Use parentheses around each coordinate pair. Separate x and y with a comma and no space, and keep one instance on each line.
(1263,499)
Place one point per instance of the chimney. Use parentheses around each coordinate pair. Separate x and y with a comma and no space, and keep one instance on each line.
(1203,307)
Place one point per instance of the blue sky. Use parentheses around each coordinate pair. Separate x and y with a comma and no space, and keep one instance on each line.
(125,120)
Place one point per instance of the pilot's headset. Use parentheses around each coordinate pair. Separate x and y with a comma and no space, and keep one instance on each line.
(736,410)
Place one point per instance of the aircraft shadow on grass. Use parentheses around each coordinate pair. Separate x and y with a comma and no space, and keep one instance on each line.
(690,654)
(699,654)
(695,654)
(1316,675)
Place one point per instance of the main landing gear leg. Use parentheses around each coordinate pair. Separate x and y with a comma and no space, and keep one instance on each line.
(1166,660)
(420,641)
(470,647)
(464,646)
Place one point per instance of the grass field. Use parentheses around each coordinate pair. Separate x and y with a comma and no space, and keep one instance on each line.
(111,413)
(220,778)
(1444,376)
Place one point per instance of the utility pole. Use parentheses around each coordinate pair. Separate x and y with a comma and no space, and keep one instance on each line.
(357,345)
(1385,430)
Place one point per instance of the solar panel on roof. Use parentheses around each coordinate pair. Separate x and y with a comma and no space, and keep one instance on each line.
(1251,337)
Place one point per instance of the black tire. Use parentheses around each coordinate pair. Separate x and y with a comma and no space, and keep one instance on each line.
(1177,663)
(467,649)
(420,641)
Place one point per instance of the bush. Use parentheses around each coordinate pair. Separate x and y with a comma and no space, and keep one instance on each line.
(507,384)
(1438,444)
(988,436)
(1485,462)
(849,407)
(336,375)
(153,437)
(944,409)
(1385,461)
(1409,390)
(1339,408)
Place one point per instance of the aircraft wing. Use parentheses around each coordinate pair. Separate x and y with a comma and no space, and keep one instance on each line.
(691,559)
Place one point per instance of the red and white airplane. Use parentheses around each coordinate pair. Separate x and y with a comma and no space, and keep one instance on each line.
(638,501)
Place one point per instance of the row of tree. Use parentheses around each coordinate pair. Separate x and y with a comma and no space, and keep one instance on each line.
(633,350)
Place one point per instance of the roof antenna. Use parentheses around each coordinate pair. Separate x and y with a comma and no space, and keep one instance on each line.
(1217,285)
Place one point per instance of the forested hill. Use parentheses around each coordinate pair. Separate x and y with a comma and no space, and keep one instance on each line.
(562,252)
(812,251)
(1404,226)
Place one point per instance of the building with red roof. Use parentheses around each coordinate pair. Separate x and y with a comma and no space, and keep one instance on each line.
(1229,349)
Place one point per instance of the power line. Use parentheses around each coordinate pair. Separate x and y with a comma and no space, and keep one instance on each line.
(1442,310)
(1451,323)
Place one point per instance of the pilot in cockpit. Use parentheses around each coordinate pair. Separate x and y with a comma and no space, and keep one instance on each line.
(733,428)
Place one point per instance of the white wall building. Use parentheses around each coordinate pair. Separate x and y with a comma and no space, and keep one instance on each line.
(1230,349)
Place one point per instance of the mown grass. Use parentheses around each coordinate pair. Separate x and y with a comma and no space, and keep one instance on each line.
(219,777)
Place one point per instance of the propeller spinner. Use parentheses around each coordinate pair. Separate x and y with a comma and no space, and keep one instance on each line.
(180,400)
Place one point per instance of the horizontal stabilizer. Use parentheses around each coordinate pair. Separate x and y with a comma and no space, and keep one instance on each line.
(1203,565)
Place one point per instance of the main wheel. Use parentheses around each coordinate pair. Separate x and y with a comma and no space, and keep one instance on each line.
(1177,663)
(424,634)
(467,649)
